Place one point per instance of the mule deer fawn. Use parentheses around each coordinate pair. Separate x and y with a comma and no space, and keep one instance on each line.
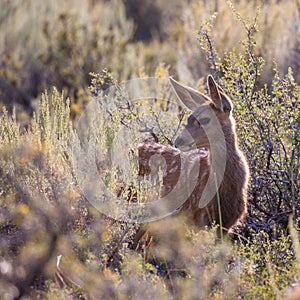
(220,194)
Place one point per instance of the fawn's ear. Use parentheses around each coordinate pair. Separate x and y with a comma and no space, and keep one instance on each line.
(188,96)
(218,96)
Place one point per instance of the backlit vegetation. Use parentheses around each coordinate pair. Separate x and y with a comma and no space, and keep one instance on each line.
(49,55)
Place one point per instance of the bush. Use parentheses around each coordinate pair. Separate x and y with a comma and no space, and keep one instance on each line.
(268,128)
(59,44)
(55,244)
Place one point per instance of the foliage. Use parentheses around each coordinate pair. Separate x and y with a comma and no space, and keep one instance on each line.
(268,126)
(54,244)
(57,44)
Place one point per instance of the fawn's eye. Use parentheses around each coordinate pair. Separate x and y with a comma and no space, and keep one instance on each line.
(204,121)
(193,121)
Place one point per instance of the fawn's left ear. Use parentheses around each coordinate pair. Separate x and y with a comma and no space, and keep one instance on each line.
(217,95)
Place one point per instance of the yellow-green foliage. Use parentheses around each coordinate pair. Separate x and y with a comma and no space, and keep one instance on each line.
(43,212)
(59,44)
(37,187)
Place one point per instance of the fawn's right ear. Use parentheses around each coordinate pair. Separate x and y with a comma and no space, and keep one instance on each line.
(188,96)
(218,97)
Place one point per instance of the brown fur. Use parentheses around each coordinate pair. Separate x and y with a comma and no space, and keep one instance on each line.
(232,191)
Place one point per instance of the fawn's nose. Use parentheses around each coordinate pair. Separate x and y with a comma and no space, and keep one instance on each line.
(179,142)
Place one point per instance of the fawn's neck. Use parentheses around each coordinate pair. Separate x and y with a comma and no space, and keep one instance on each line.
(228,161)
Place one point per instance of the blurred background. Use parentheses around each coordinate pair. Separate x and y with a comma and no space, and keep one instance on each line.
(58,43)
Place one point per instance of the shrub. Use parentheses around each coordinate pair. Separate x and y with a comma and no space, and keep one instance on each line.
(44,214)
(268,127)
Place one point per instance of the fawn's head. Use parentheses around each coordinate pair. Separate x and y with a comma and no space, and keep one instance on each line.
(211,117)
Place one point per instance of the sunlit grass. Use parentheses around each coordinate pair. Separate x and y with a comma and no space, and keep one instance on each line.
(44,213)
